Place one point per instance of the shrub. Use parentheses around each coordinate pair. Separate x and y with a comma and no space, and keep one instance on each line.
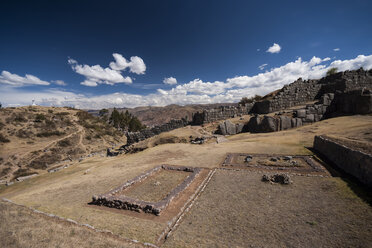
(252,99)
(125,121)
(49,124)
(103,112)
(19,118)
(40,118)
(22,173)
(23,133)
(1,125)
(3,139)
(51,133)
(62,113)
(64,143)
(331,71)
(5,171)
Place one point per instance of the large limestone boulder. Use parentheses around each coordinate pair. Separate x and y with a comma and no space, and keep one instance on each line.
(230,127)
(285,122)
(301,113)
(268,124)
(222,128)
(309,118)
(239,127)
(253,124)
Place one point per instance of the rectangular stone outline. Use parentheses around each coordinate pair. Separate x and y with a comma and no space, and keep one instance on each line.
(123,202)
(316,167)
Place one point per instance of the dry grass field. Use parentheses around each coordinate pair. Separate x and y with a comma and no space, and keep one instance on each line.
(235,210)
(20,227)
(156,187)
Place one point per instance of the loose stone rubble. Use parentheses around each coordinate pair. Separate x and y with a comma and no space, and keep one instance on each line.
(277,178)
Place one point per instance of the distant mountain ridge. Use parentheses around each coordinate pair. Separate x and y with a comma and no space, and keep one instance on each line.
(152,116)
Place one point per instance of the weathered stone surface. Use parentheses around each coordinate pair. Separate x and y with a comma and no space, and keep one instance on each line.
(285,122)
(309,118)
(301,113)
(253,124)
(268,124)
(230,127)
(298,122)
(222,128)
(239,127)
(354,162)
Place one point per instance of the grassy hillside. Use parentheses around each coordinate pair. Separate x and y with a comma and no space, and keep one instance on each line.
(34,139)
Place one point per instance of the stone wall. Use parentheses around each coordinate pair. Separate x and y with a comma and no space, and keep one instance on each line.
(354,102)
(133,137)
(221,113)
(329,105)
(354,162)
(300,92)
(113,200)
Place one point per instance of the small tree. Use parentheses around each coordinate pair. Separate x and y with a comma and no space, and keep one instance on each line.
(252,99)
(331,71)
(103,112)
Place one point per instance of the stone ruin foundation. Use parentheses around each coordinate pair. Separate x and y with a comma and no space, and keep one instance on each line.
(300,164)
(114,199)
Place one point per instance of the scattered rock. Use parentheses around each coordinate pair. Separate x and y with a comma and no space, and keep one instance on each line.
(9,183)
(287,158)
(277,178)
(198,140)
(248,159)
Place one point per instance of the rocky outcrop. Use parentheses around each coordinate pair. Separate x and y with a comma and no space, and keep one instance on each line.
(352,161)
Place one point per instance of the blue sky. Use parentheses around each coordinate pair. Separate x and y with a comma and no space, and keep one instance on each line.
(172,51)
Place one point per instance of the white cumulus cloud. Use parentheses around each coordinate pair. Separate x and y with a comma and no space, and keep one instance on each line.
(135,65)
(261,67)
(15,80)
(336,49)
(275,48)
(97,75)
(170,80)
(59,82)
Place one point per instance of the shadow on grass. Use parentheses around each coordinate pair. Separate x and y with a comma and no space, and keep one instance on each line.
(361,190)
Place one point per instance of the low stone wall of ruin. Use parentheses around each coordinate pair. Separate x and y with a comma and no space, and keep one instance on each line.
(134,137)
(110,199)
(354,162)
